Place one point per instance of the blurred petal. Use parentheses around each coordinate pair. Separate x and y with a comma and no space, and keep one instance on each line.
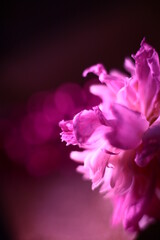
(150,146)
(148,74)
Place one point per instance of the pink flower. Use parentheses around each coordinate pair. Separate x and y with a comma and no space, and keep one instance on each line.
(121,138)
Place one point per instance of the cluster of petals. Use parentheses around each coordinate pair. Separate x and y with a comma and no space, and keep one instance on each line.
(120,138)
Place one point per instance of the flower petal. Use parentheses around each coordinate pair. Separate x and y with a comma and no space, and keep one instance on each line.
(98,70)
(148,75)
(127,128)
(67,133)
(85,123)
(138,200)
(115,80)
(150,146)
(88,129)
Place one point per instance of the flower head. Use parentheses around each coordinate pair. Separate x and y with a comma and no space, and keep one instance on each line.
(121,138)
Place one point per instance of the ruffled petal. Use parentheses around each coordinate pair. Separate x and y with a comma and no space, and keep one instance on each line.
(127,128)
(150,146)
(115,81)
(148,75)
(95,163)
(85,124)
(107,96)
(138,200)
(67,133)
(88,129)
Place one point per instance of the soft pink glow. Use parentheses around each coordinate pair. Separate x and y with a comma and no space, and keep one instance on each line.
(121,138)
(32,138)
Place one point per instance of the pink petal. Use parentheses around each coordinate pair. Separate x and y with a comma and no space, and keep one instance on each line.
(148,74)
(85,123)
(98,70)
(67,133)
(150,146)
(138,201)
(115,81)
(79,156)
(88,129)
(97,165)
(127,128)
(129,66)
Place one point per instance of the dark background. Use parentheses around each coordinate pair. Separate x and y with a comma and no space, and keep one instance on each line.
(46,43)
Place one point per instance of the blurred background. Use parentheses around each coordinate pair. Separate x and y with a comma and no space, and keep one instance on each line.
(46,45)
